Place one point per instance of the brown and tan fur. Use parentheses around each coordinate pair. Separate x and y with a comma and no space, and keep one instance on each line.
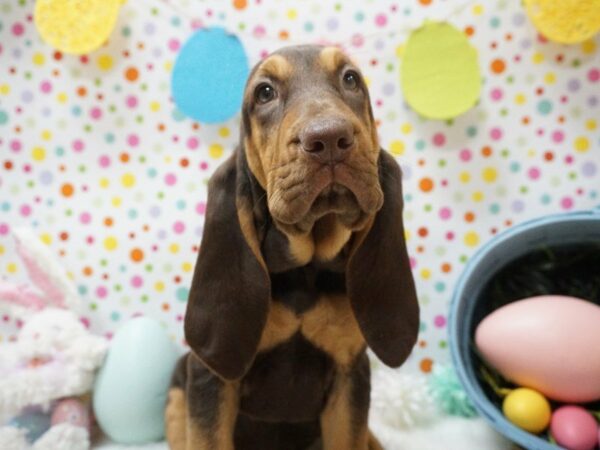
(301,267)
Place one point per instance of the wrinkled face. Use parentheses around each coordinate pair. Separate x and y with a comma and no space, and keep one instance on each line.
(310,138)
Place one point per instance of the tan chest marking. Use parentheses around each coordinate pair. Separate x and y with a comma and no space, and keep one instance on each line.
(331,326)
(281,325)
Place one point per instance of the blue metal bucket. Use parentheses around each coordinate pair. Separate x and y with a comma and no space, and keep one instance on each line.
(571,228)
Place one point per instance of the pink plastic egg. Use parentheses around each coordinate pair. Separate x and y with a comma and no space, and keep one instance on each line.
(546,343)
(71,411)
(574,428)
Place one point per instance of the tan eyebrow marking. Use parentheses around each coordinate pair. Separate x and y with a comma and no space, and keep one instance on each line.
(331,58)
(276,66)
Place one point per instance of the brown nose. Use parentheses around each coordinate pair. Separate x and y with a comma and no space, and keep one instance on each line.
(329,139)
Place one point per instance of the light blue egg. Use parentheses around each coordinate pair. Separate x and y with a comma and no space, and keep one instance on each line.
(209,76)
(131,388)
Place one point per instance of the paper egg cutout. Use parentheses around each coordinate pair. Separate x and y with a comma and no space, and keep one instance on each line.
(131,388)
(209,76)
(574,428)
(565,21)
(440,73)
(546,343)
(76,26)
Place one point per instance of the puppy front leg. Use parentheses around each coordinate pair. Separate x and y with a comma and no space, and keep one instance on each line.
(212,406)
(344,420)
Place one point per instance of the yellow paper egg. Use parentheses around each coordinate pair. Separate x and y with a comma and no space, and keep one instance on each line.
(565,21)
(527,409)
(76,26)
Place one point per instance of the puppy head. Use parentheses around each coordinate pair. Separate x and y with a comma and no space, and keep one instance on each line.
(310,138)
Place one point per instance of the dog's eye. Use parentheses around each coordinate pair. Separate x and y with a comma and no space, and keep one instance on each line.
(264,93)
(351,79)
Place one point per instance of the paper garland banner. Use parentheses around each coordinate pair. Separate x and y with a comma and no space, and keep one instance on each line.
(440,73)
(209,76)
(565,21)
(76,26)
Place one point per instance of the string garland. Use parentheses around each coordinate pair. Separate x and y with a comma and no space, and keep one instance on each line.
(440,76)
(202,63)
(344,43)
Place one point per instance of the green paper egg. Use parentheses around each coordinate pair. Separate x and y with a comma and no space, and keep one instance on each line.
(440,73)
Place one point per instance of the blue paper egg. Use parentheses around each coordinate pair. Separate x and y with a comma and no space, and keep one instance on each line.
(131,388)
(209,76)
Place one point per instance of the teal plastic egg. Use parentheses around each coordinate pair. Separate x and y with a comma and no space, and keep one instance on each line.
(131,388)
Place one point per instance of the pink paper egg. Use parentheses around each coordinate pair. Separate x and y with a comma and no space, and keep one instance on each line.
(546,343)
(71,411)
(574,428)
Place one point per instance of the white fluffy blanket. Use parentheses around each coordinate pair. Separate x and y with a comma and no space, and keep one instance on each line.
(450,433)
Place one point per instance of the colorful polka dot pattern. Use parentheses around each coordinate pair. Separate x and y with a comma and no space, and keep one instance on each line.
(94,155)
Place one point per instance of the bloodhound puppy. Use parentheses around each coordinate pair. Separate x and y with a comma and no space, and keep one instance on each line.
(302,265)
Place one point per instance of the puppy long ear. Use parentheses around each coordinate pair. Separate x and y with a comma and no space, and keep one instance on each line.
(228,301)
(379,280)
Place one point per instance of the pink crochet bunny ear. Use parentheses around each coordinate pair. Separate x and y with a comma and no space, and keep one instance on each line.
(51,286)
(40,268)
(21,295)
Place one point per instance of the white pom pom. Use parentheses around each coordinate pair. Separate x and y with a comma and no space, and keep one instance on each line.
(400,400)
(64,436)
(12,438)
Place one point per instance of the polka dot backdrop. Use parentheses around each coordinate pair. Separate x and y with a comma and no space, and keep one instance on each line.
(96,158)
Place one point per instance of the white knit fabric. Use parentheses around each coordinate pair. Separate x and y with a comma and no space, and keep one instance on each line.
(73,354)
(63,436)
